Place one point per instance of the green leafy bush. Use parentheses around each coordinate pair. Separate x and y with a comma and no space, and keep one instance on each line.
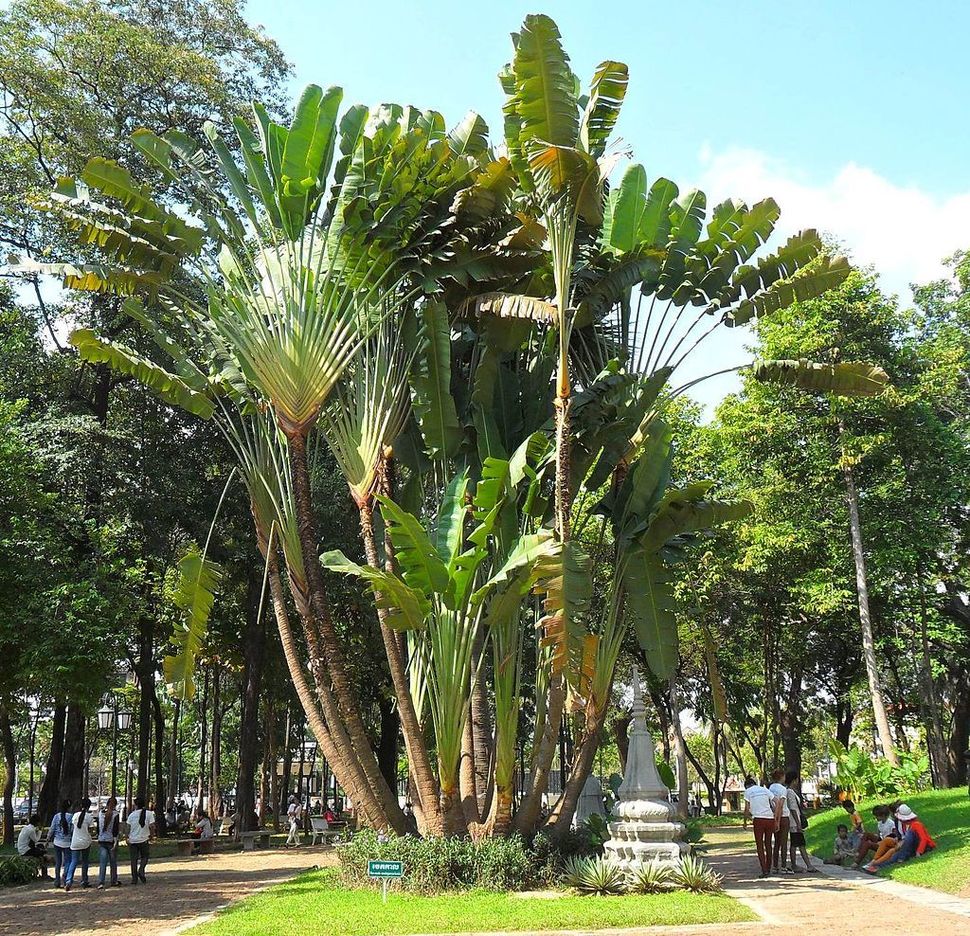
(15,869)
(650,878)
(864,777)
(692,874)
(438,864)
(548,856)
(594,875)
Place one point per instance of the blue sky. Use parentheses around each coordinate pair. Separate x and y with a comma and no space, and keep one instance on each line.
(851,114)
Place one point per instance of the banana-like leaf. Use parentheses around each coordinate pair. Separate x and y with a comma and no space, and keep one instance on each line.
(614,285)
(625,209)
(545,90)
(198,581)
(649,608)
(644,484)
(95,277)
(470,137)
(827,273)
(433,403)
(417,558)
(527,555)
(686,221)
(606,95)
(685,511)
(407,608)
(506,305)
(565,579)
(849,378)
(559,169)
(714,675)
(449,532)
(123,360)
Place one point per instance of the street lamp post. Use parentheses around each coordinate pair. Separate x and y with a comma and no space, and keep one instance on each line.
(110,717)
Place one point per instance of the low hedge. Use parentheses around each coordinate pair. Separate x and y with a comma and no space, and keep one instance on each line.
(432,865)
(15,869)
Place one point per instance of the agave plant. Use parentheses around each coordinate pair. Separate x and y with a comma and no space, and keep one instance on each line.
(692,874)
(594,876)
(651,877)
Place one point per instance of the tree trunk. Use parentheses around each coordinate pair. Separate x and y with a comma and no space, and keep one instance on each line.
(528,815)
(281,785)
(384,804)
(790,721)
(10,778)
(203,741)
(928,701)
(173,760)
(621,731)
(159,721)
(868,642)
(215,792)
(466,780)
(680,749)
(146,678)
(387,752)
(254,648)
(561,816)
(959,738)
(426,783)
(481,722)
(47,802)
(72,763)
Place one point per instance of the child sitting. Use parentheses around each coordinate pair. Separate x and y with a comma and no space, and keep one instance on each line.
(886,835)
(915,841)
(843,850)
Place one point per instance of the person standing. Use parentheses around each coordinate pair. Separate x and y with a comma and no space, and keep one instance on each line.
(760,803)
(141,827)
(28,843)
(60,832)
(81,823)
(293,814)
(798,822)
(109,825)
(780,792)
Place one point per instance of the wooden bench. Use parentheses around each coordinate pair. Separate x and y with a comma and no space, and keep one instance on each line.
(248,839)
(320,830)
(184,847)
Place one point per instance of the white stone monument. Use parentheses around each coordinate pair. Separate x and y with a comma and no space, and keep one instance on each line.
(647,829)
(590,801)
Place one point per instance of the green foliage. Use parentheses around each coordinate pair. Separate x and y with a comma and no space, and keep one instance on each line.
(652,877)
(433,865)
(15,869)
(863,776)
(692,874)
(594,876)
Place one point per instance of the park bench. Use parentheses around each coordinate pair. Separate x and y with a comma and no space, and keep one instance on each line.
(248,839)
(320,829)
(184,846)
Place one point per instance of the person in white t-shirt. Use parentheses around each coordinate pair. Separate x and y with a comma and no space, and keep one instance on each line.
(28,843)
(109,826)
(798,822)
(784,824)
(765,811)
(141,827)
(81,823)
(294,813)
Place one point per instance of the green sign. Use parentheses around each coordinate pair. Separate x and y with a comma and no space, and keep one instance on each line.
(385,869)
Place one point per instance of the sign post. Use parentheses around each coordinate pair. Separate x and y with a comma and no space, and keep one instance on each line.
(385,871)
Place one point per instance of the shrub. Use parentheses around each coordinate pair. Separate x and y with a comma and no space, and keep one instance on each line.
(692,874)
(548,856)
(438,864)
(865,777)
(594,875)
(15,869)
(650,878)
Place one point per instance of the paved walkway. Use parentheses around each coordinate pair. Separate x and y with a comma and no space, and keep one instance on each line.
(178,890)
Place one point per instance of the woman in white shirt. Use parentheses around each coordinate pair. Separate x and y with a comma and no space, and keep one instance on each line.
(81,823)
(141,827)
(60,833)
(765,810)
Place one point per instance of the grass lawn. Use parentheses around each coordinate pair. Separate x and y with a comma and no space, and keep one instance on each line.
(315,904)
(946,814)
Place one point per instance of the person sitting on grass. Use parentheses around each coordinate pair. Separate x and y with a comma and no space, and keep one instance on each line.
(916,841)
(842,850)
(857,829)
(885,830)
(28,843)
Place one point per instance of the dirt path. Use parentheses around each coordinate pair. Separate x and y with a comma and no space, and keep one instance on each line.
(178,890)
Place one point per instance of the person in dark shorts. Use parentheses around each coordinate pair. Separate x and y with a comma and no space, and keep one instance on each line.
(798,822)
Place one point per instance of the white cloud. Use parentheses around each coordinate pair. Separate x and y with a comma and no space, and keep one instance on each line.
(903,231)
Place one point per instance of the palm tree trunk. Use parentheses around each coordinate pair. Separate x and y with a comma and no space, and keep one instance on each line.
(349,710)
(561,817)
(466,780)
(336,745)
(528,815)
(868,642)
(426,785)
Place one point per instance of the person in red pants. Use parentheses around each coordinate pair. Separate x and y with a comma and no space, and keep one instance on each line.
(765,811)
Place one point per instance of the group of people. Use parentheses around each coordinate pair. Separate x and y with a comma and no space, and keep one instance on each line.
(72,833)
(779,820)
(899,836)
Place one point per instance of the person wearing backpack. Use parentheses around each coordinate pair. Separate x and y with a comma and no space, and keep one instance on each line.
(60,835)
(798,820)
(81,823)
(141,827)
(109,824)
